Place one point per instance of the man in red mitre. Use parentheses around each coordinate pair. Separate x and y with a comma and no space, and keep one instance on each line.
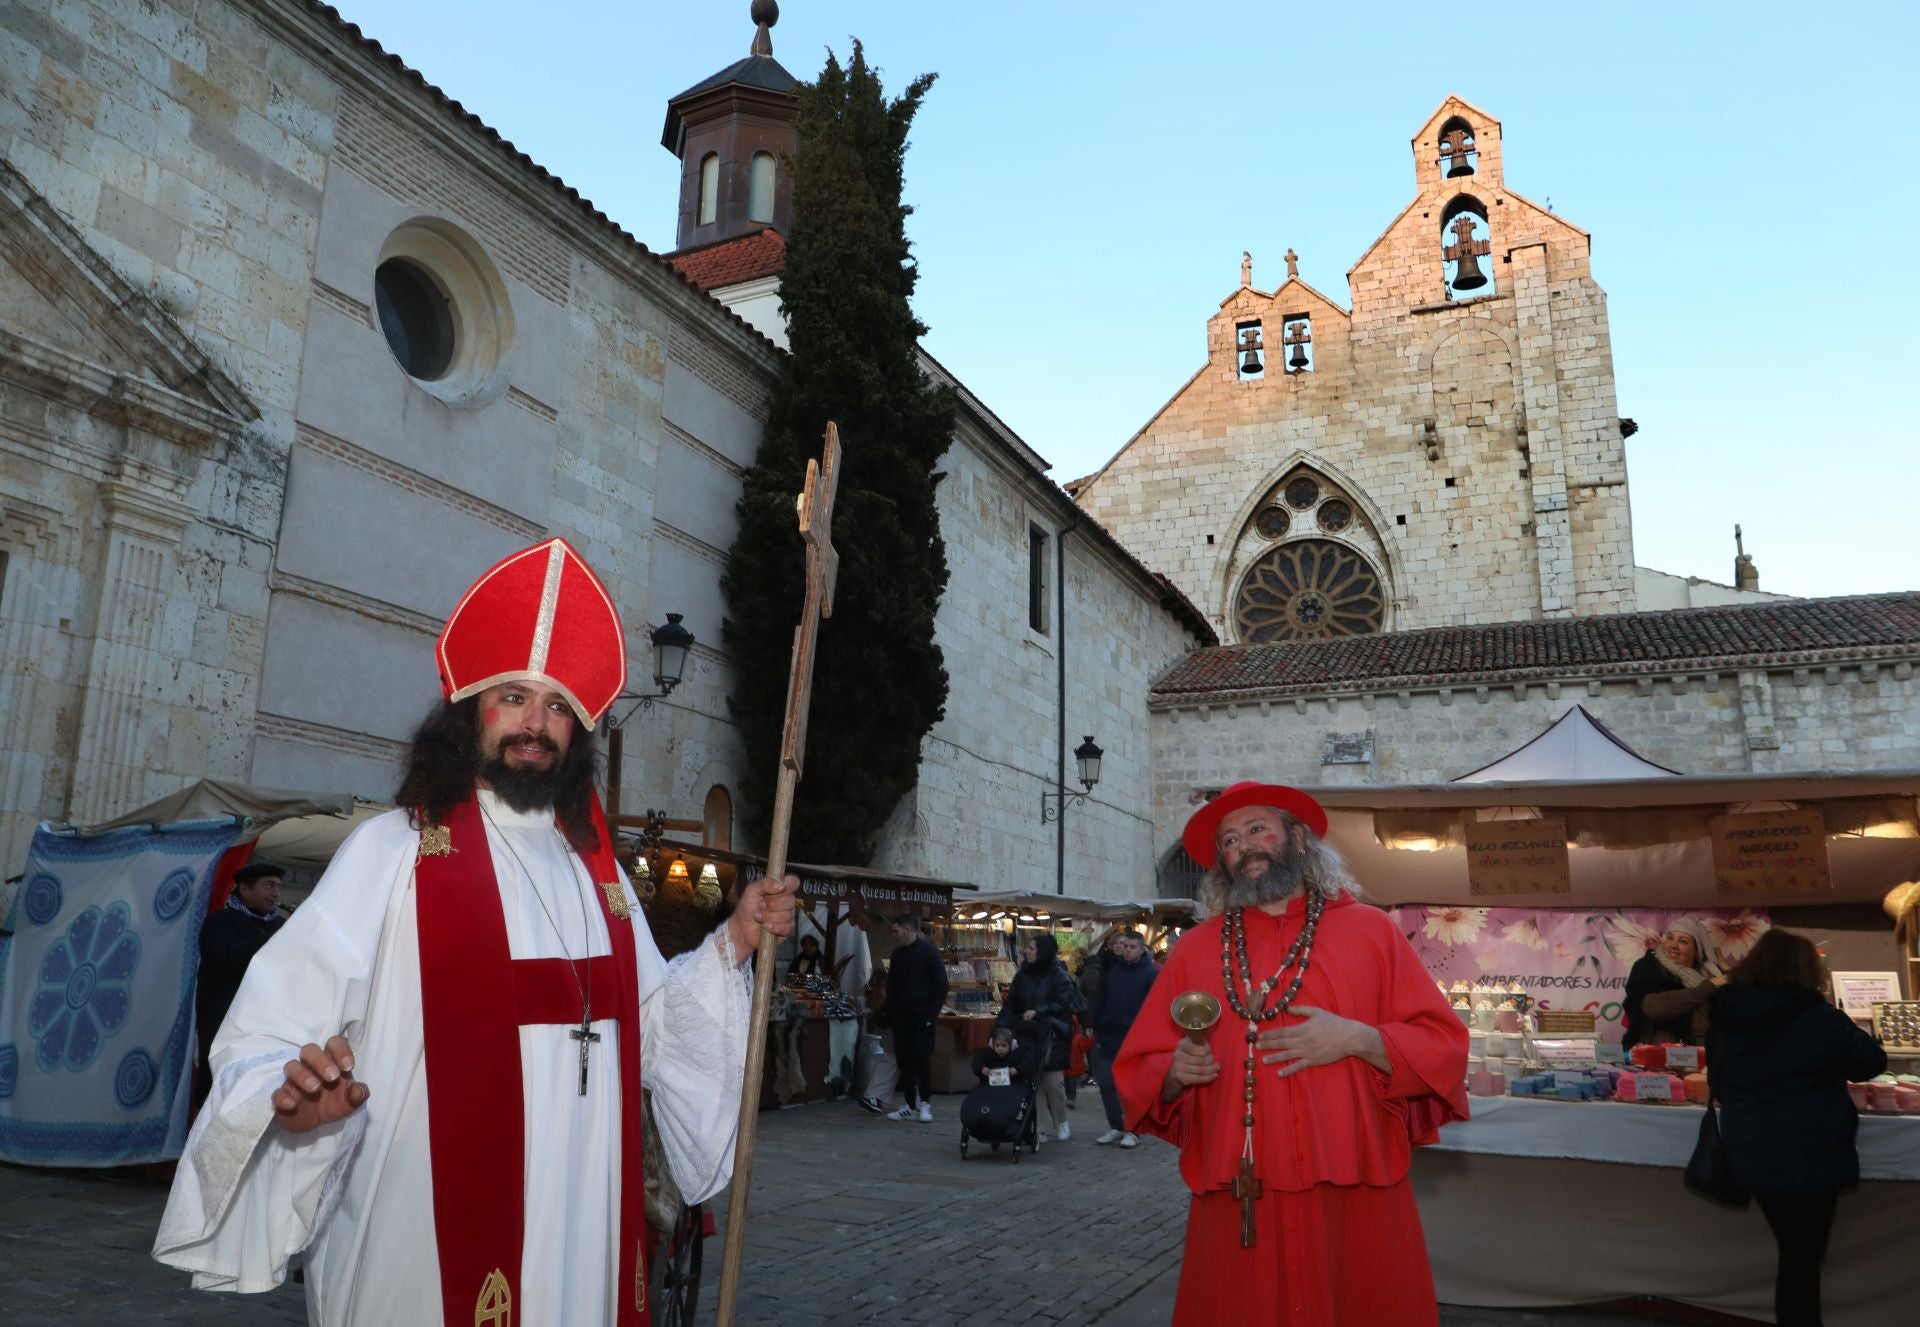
(429,1084)
(1296,1113)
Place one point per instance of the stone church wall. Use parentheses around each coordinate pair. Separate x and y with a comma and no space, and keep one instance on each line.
(1853,717)
(976,814)
(1477,435)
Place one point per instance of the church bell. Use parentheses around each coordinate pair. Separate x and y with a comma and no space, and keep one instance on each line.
(1299,359)
(1469,277)
(1250,362)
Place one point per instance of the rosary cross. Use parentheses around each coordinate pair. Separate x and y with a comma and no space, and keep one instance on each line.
(1247,1188)
(586,1036)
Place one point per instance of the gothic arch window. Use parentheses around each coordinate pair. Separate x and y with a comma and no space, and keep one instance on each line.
(709,188)
(1458,157)
(760,188)
(1310,560)
(1466,239)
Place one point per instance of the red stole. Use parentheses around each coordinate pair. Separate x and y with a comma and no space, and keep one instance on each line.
(474,997)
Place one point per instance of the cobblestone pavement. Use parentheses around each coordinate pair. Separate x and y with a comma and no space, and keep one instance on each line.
(856,1219)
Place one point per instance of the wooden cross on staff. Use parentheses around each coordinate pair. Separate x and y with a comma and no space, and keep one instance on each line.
(823,566)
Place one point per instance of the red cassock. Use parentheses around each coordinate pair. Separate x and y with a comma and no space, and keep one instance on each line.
(1338,1241)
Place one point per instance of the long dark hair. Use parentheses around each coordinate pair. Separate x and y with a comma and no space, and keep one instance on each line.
(444,760)
(1779,961)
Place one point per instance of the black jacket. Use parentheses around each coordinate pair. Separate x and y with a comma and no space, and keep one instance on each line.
(1054,999)
(916,983)
(1685,1022)
(1122,991)
(1779,1063)
(228,941)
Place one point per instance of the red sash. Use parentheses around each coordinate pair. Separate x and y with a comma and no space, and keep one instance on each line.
(474,997)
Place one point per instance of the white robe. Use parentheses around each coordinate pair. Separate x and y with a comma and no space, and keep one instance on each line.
(357,1196)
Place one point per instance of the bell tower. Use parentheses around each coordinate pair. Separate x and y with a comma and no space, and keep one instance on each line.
(735,135)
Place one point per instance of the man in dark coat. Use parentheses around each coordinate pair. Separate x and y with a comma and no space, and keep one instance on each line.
(916,992)
(228,941)
(1123,990)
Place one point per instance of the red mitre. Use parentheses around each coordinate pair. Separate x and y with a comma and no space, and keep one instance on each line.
(540,615)
(1197,838)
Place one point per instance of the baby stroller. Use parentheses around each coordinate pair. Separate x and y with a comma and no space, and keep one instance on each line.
(995,1115)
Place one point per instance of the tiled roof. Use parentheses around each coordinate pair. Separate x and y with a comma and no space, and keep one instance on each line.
(729,262)
(1788,631)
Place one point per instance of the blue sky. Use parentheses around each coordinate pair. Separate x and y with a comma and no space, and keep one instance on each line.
(1085,177)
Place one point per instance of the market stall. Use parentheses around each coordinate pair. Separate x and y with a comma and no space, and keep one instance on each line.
(817,1024)
(1528,890)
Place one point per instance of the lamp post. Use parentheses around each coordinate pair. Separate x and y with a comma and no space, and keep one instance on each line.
(1087,757)
(671,645)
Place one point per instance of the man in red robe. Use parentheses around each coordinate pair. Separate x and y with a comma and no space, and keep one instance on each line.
(1295,1127)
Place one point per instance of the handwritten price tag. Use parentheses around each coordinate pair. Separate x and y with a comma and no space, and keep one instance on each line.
(1683,1057)
(1653,1087)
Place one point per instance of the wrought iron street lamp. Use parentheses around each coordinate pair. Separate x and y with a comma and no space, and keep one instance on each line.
(1087,757)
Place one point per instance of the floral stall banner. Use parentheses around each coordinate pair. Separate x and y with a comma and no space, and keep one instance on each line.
(96,993)
(1564,958)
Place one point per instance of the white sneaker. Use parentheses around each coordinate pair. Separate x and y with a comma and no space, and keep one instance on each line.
(904,1113)
(1129,1140)
(926,1112)
(1110,1136)
(1065,1133)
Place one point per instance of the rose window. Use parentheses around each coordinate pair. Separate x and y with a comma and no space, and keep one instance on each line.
(1272,522)
(1302,493)
(1336,515)
(1308,590)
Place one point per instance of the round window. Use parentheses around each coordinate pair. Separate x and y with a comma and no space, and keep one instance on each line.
(416,317)
(1336,515)
(1302,493)
(444,311)
(1272,522)
(1307,590)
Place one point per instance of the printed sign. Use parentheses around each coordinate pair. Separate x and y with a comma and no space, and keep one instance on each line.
(1858,992)
(875,896)
(1578,1050)
(1770,850)
(1518,857)
(1652,1087)
(999,1077)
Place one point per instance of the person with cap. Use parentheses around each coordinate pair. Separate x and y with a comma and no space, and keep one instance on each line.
(229,938)
(428,1088)
(1671,988)
(1296,1113)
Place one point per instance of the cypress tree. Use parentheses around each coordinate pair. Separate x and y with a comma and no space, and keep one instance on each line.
(879,680)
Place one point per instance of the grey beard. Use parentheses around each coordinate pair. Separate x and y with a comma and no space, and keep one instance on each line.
(1276,884)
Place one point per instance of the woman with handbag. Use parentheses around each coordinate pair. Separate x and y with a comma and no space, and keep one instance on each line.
(1041,1004)
(1780,1058)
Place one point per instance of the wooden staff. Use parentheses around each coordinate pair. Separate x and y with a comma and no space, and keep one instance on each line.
(823,564)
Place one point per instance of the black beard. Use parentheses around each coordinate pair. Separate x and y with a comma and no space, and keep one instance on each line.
(524,789)
(1275,884)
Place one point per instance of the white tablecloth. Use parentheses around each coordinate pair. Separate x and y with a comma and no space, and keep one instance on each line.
(1645,1135)
(1539,1202)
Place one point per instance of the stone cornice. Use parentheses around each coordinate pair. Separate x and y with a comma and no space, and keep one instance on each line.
(1638,672)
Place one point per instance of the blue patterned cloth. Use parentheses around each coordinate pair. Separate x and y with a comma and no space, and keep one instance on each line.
(96,993)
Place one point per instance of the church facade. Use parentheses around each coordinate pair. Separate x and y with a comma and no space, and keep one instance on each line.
(291,346)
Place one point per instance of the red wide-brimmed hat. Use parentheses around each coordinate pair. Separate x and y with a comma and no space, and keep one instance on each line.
(539,615)
(1197,838)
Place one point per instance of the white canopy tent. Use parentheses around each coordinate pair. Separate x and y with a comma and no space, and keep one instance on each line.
(1577,746)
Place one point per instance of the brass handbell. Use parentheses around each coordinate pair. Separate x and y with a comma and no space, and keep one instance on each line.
(1195,1013)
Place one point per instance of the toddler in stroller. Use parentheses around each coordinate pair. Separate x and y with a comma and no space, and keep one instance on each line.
(1000,1108)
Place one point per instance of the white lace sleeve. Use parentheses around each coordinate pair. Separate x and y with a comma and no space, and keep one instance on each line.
(693,1056)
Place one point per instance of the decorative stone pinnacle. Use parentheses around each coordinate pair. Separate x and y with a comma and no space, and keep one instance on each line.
(765,13)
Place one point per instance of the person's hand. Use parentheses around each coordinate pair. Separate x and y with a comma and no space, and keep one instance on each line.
(1719,979)
(1193,1066)
(1323,1038)
(1030,1015)
(319,1087)
(764,905)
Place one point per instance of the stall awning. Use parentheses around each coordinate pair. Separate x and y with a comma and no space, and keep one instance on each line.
(863,889)
(1068,906)
(1577,746)
(1637,842)
(300,830)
